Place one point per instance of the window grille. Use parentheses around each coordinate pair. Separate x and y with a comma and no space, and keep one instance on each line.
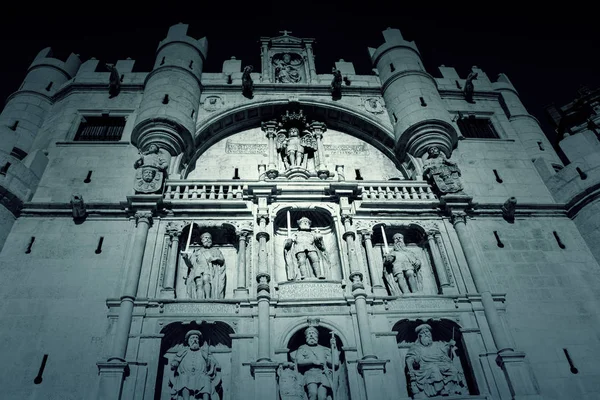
(480,128)
(100,129)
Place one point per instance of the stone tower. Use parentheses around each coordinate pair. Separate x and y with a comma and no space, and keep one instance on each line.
(273,232)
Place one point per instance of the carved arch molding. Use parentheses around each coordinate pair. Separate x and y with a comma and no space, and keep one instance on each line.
(336,117)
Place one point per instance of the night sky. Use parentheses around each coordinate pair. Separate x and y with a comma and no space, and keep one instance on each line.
(547,53)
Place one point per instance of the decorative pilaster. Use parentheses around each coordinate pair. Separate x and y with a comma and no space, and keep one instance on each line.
(311,62)
(518,373)
(241,290)
(169,278)
(438,264)
(270,128)
(374,272)
(113,371)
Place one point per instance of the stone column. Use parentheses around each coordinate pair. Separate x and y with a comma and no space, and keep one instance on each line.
(438,264)
(264,370)
(520,378)
(270,128)
(113,371)
(311,62)
(241,290)
(318,128)
(370,367)
(171,268)
(374,271)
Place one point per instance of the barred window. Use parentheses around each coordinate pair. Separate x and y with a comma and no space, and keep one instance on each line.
(480,128)
(100,129)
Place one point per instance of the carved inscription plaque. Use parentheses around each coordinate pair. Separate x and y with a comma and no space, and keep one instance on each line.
(310,290)
(200,308)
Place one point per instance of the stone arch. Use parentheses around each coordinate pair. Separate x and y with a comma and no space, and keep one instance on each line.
(443,329)
(216,335)
(300,325)
(346,119)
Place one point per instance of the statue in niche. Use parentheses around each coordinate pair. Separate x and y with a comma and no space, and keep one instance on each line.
(151,170)
(336,84)
(114,83)
(247,82)
(294,148)
(287,68)
(291,383)
(318,365)
(196,373)
(305,253)
(402,270)
(433,368)
(470,87)
(443,174)
(206,277)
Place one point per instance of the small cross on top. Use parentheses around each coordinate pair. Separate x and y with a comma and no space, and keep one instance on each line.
(285,33)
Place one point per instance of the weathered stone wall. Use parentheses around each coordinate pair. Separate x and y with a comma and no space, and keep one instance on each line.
(552,301)
(53,302)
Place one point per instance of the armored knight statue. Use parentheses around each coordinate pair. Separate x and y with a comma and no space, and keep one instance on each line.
(196,373)
(318,365)
(295,148)
(151,170)
(433,369)
(206,277)
(402,270)
(305,253)
(443,174)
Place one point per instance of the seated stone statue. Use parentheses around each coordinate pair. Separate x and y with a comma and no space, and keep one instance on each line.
(431,367)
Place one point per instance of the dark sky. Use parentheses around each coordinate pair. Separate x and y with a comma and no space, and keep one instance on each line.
(548,53)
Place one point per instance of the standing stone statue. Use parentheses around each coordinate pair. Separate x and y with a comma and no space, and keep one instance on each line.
(247,82)
(318,365)
(336,84)
(442,174)
(305,253)
(151,169)
(114,83)
(196,372)
(294,148)
(402,270)
(469,87)
(432,367)
(206,278)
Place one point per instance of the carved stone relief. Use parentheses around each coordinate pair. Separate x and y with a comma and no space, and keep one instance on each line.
(151,169)
(373,105)
(288,68)
(213,103)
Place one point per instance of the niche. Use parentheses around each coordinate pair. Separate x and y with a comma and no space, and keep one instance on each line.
(309,343)
(215,346)
(410,269)
(434,337)
(306,246)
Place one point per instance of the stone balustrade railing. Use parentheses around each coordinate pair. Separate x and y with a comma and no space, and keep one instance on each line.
(204,190)
(235,189)
(397,191)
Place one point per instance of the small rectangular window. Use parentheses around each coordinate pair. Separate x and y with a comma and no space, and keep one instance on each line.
(480,128)
(100,129)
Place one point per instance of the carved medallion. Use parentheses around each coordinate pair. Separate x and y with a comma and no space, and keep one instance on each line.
(213,103)
(373,105)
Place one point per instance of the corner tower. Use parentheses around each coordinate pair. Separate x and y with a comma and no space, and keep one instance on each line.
(416,110)
(167,113)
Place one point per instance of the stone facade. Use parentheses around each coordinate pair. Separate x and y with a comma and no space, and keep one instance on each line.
(407,281)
